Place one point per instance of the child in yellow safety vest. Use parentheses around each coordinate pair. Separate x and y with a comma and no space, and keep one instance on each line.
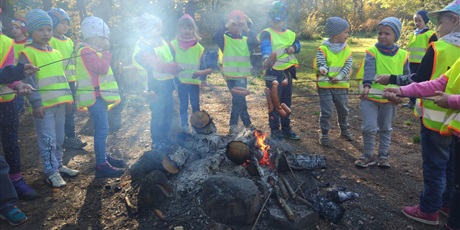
(437,154)
(418,43)
(236,63)
(188,53)
(18,31)
(65,45)
(377,113)
(334,63)
(9,122)
(153,55)
(52,98)
(97,90)
(282,41)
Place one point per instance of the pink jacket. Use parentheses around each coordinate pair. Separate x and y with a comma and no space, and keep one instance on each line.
(9,60)
(94,65)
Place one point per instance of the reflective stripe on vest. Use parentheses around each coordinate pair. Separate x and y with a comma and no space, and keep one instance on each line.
(236,62)
(280,42)
(164,54)
(417,46)
(452,121)
(445,55)
(384,65)
(66,47)
(6,46)
(51,81)
(189,60)
(86,94)
(335,62)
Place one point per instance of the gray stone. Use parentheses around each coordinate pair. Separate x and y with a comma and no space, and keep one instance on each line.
(305,218)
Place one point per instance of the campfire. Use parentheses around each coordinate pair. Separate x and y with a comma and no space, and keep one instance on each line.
(242,180)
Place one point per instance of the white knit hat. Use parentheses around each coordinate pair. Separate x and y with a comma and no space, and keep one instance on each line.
(94,27)
(149,23)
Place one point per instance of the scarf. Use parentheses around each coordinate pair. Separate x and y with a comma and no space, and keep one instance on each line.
(186,43)
(387,50)
(335,47)
(452,38)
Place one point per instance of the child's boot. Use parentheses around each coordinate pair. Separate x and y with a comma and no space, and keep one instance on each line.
(13,215)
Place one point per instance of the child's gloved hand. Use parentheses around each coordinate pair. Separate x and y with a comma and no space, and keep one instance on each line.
(442,100)
(383,79)
(38,112)
(322,71)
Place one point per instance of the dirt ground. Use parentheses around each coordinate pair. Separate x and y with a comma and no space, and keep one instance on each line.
(89,203)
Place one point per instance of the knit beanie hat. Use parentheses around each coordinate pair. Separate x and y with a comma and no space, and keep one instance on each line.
(424,15)
(149,23)
(58,15)
(236,14)
(36,19)
(94,27)
(21,23)
(394,23)
(336,25)
(278,11)
(453,7)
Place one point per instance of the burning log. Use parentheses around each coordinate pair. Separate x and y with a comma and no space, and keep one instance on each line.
(238,152)
(288,211)
(202,123)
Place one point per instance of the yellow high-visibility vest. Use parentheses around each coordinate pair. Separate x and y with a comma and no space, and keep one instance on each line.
(280,42)
(189,60)
(236,62)
(51,81)
(452,117)
(6,46)
(66,48)
(417,46)
(86,93)
(335,62)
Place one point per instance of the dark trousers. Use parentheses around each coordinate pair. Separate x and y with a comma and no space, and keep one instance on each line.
(188,92)
(438,170)
(454,214)
(284,95)
(9,124)
(161,111)
(8,195)
(69,127)
(239,104)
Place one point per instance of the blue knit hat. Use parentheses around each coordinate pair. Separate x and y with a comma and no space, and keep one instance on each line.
(36,19)
(336,25)
(58,15)
(424,15)
(394,23)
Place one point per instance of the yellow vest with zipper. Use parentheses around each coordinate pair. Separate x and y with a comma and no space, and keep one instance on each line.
(86,92)
(383,65)
(335,62)
(236,63)
(432,115)
(66,48)
(417,46)
(51,81)
(280,42)
(190,60)
(6,46)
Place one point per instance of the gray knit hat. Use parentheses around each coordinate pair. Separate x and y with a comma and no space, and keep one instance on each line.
(336,25)
(394,23)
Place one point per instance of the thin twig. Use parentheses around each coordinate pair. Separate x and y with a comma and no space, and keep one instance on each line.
(261,210)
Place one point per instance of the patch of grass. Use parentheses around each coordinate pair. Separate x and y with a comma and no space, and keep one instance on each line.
(416,139)
(316,113)
(407,122)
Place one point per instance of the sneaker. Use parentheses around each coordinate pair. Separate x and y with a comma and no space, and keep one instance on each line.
(383,162)
(23,190)
(14,216)
(55,180)
(408,105)
(277,134)
(233,130)
(346,134)
(364,162)
(115,162)
(291,135)
(414,212)
(324,140)
(68,172)
(108,171)
(74,143)
(445,211)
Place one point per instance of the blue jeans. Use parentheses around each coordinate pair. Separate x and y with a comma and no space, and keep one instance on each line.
(454,214)
(186,92)
(70,118)
(239,104)
(98,113)
(8,195)
(50,137)
(284,95)
(161,114)
(438,171)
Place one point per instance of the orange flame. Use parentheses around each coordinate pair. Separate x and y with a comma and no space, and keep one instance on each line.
(260,142)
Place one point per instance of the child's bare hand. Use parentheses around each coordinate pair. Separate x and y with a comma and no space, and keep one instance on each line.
(30,69)
(364,94)
(39,112)
(105,45)
(334,80)
(442,100)
(397,91)
(322,71)
(24,89)
(383,79)
(290,50)
(177,70)
(393,97)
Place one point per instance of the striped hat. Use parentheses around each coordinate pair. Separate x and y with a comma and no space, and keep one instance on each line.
(58,15)
(36,19)
(336,25)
